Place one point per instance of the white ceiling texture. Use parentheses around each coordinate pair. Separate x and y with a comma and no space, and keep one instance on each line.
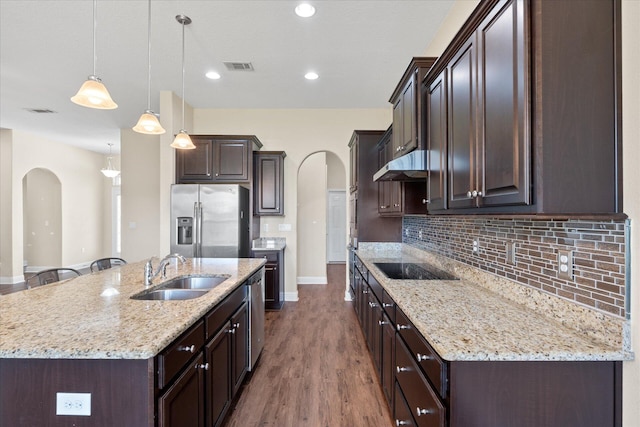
(360,49)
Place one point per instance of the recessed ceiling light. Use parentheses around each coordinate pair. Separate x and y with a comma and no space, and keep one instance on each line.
(212,75)
(305,10)
(311,76)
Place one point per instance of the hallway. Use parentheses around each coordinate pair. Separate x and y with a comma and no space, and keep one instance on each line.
(315,369)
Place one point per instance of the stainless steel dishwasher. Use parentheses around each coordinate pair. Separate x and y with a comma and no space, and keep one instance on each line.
(256,316)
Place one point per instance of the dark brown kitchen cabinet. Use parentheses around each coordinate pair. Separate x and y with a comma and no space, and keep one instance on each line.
(183,403)
(366,225)
(532,111)
(436,102)
(268,182)
(218,352)
(217,159)
(390,193)
(353,164)
(407,110)
(239,346)
(273,278)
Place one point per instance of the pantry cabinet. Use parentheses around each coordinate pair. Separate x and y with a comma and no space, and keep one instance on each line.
(268,183)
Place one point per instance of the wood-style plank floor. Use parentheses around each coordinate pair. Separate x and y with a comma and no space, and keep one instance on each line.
(315,369)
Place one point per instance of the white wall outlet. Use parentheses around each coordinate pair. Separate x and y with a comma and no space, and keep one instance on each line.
(73,404)
(511,253)
(476,246)
(420,234)
(565,264)
(406,232)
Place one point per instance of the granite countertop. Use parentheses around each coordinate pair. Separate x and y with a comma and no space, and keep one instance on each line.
(269,244)
(72,320)
(464,321)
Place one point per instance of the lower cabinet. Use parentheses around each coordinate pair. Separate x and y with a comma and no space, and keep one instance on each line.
(200,373)
(273,278)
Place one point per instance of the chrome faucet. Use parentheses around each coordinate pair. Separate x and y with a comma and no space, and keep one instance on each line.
(149,275)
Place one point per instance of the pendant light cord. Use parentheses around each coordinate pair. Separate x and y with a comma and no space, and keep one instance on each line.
(149,58)
(183,22)
(95,18)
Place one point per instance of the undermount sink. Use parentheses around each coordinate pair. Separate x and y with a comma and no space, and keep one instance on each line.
(194,282)
(170,294)
(182,288)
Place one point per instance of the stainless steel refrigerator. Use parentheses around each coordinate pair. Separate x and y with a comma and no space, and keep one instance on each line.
(210,220)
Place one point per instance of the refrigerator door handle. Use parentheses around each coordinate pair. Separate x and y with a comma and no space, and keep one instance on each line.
(196,230)
(199,229)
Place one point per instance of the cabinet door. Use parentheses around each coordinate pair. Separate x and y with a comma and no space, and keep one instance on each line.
(269,184)
(397,135)
(409,140)
(353,160)
(218,355)
(374,333)
(436,102)
(462,129)
(387,364)
(231,160)
(182,405)
(195,165)
(503,98)
(239,347)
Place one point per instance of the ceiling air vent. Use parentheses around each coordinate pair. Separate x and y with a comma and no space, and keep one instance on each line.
(40,110)
(238,66)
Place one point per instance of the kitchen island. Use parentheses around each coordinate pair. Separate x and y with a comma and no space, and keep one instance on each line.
(87,335)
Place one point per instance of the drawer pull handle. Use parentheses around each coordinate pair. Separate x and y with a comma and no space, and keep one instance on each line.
(386,304)
(401,327)
(420,411)
(188,348)
(423,357)
(382,322)
(205,366)
(400,369)
(372,304)
(402,423)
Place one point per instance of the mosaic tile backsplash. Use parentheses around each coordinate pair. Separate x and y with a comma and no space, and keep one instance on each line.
(598,249)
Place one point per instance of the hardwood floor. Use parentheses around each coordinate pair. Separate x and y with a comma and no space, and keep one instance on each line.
(315,369)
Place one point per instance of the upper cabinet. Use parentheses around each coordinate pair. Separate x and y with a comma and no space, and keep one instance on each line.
(407,110)
(268,183)
(217,159)
(520,118)
(389,192)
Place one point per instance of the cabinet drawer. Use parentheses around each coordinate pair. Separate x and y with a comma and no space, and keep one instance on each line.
(424,404)
(389,307)
(269,256)
(215,319)
(421,352)
(174,357)
(362,269)
(375,287)
(402,411)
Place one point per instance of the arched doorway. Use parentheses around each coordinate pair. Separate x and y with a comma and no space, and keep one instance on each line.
(42,219)
(321,177)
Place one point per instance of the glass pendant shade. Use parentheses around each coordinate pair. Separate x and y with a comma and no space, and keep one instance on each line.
(110,171)
(94,94)
(148,123)
(183,141)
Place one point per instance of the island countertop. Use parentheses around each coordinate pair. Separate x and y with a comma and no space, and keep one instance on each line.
(464,321)
(77,319)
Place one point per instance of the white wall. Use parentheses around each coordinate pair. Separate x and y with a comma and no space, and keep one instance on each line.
(631,157)
(298,132)
(8,272)
(82,187)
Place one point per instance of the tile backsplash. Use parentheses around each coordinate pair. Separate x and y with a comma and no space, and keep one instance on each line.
(598,249)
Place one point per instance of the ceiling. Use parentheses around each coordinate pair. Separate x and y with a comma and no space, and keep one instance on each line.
(359,48)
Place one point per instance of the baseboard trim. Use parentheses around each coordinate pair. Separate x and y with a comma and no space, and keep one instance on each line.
(291,296)
(36,268)
(311,280)
(11,280)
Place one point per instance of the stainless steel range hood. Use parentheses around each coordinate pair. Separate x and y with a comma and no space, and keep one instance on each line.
(411,166)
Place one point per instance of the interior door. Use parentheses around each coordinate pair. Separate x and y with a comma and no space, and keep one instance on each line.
(336,226)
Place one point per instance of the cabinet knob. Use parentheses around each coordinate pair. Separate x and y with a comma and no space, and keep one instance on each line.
(372,304)
(422,357)
(396,205)
(425,201)
(382,207)
(382,322)
(401,369)
(236,325)
(232,331)
(469,194)
(401,327)
(199,366)
(217,174)
(188,348)
(420,411)
(402,423)
(386,304)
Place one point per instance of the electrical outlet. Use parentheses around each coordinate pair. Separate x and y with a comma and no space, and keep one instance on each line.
(73,404)
(406,232)
(476,246)
(565,265)
(420,234)
(511,253)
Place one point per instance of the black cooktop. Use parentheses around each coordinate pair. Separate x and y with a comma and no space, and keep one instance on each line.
(413,271)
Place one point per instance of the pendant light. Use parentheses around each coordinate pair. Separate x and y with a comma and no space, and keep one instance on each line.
(182,141)
(110,171)
(148,122)
(93,93)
